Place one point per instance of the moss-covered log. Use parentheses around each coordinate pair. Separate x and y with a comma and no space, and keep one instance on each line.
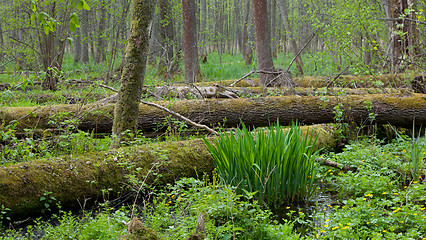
(395,109)
(73,179)
(348,81)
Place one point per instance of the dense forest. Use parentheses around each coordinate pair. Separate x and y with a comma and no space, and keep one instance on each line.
(212,119)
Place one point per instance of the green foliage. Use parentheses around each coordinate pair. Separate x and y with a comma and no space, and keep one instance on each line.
(226,214)
(349,32)
(279,166)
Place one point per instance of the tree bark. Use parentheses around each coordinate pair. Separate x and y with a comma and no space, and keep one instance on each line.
(263,40)
(100,50)
(190,49)
(166,39)
(77,46)
(293,44)
(74,179)
(398,110)
(85,37)
(126,109)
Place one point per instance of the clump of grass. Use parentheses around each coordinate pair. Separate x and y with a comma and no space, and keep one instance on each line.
(279,165)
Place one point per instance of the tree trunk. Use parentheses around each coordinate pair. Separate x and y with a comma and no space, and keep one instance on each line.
(100,50)
(85,36)
(74,179)
(77,46)
(166,39)
(293,44)
(398,110)
(263,41)
(126,109)
(190,49)
(1,46)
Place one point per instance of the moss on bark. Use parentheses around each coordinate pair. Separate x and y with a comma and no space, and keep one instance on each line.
(398,109)
(72,179)
(126,109)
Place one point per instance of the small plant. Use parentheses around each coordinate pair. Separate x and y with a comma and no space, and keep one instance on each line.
(48,201)
(3,215)
(279,166)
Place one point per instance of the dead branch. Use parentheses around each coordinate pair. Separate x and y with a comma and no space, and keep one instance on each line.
(187,120)
(332,164)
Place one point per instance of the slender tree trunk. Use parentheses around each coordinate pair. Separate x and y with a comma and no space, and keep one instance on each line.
(100,50)
(190,50)
(293,44)
(166,39)
(203,27)
(77,46)
(237,34)
(1,45)
(127,106)
(263,40)
(85,37)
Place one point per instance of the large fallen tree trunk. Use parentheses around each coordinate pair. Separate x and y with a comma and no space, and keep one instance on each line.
(74,179)
(398,110)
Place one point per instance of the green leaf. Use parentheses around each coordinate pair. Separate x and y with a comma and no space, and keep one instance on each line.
(32,19)
(70,41)
(39,18)
(73,27)
(33,6)
(83,5)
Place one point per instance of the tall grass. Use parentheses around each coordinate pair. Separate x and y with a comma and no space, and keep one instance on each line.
(278,164)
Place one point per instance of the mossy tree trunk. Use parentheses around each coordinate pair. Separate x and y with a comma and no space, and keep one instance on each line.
(75,179)
(126,109)
(395,109)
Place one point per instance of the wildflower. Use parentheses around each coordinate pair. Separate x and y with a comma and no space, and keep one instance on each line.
(369,195)
(384,193)
(327,220)
(384,231)
(300,212)
(364,199)
(287,208)
(396,210)
(325,226)
(325,209)
(421,209)
(404,151)
(179,198)
(173,196)
(415,182)
(368,222)
(362,160)
(334,228)
(349,223)
(415,214)
(395,193)
(345,227)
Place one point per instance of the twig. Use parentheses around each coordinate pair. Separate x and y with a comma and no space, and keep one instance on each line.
(187,120)
(252,72)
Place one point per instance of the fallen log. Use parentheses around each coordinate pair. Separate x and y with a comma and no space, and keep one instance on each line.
(77,178)
(395,109)
(346,81)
